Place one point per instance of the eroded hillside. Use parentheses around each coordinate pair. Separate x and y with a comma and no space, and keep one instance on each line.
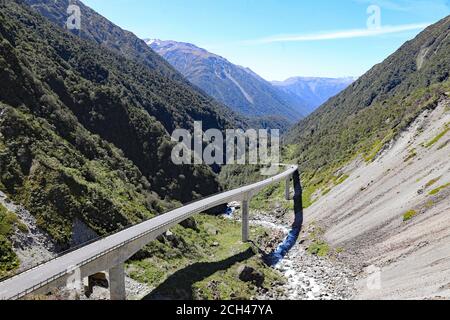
(394,213)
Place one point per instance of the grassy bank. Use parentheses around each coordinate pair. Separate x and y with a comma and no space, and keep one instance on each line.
(8,259)
(203,262)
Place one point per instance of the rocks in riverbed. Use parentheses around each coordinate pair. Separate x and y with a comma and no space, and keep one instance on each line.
(309,277)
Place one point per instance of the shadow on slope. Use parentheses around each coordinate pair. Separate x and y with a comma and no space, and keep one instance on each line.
(289,242)
(179,285)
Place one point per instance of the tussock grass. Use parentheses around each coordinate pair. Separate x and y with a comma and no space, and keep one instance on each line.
(439,189)
(431,182)
(409,215)
(436,139)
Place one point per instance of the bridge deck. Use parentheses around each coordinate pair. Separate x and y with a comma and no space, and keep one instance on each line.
(38,277)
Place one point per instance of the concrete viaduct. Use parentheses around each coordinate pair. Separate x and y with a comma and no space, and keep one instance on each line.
(110,253)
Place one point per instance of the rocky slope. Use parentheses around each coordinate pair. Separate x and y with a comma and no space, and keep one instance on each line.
(376,173)
(392,215)
(376,107)
(308,276)
(31,245)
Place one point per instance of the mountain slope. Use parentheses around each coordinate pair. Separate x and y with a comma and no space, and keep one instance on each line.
(237,87)
(376,171)
(98,29)
(81,156)
(393,214)
(314,91)
(78,139)
(378,106)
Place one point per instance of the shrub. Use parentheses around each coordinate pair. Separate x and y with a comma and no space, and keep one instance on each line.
(437,190)
(409,215)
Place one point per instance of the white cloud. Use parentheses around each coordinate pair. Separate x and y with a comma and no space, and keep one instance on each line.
(409,5)
(342,34)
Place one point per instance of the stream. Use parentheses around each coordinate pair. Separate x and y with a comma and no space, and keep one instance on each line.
(308,277)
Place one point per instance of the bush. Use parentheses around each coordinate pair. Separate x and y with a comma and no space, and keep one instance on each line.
(409,215)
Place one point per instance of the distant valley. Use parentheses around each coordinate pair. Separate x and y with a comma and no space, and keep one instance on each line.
(312,90)
(243,90)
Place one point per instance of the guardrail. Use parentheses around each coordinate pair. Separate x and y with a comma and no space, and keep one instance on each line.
(243,193)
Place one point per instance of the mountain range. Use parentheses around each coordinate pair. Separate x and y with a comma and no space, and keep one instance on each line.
(85,127)
(243,90)
(314,91)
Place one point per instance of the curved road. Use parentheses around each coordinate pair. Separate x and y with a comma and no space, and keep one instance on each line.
(114,250)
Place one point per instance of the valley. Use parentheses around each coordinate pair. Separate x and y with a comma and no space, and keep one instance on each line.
(88,169)
(276,105)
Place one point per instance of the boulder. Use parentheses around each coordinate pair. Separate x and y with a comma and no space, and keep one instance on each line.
(189,223)
(210,229)
(249,274)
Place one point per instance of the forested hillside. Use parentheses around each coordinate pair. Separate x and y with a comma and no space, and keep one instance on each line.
(84,130)
(377,107)
(237,87)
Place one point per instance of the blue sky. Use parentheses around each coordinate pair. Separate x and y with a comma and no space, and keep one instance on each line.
(279,39)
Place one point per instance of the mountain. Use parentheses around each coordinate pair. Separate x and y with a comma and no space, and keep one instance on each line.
(100,30)
(85,151)
(84,131)
(237,87)
(314,91)
(375,163)
(378,106)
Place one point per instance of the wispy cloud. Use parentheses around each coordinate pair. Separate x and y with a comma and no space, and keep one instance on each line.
(342,34)
(409,5)
(401,5)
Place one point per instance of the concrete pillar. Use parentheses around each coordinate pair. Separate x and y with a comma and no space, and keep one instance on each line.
(245,228)
(88,286)
(288,188)
(117,282)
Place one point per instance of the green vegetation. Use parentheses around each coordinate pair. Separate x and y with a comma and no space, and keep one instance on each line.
(8,259)
(411,155)
(437,190)
(201,263)
(377,147)
(342,179)
(235,176)
(429,204)
(84,135)
(409,215)
(84,130)
(323,182)
(432,182)
(271,196)
(374,110)
(307,196)
(438,137)
(317,246)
